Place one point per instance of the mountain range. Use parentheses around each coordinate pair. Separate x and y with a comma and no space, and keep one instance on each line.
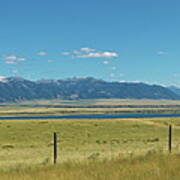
(175,89)
(18,89)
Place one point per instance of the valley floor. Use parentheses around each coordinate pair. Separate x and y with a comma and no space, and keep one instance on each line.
(88,149)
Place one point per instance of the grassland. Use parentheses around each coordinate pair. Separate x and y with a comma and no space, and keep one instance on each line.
(77,111)
(101,106)
(87,149)
(30,142)
(99,102)
(149,167)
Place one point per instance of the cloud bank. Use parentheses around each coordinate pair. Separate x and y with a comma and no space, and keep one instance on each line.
(91,53)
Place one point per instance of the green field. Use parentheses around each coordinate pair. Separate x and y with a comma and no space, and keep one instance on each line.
(26,148)
(30,142)
(84,146)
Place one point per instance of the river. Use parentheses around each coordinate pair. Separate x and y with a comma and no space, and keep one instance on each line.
(99,116)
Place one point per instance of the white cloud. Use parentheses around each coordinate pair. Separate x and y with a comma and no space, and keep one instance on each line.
(11,62)
(162,52)
(21,59)
(42,53)
(99,55)
(91,53)
(66,53)
(106,62)
(14,58)
(82,50)
(11,58)
(87,50)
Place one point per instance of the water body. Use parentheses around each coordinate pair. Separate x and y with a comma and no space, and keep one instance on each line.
(99,116)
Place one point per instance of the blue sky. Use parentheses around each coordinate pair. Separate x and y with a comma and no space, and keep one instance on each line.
(117,40)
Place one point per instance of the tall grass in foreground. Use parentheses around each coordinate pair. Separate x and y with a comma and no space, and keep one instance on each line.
(151,166)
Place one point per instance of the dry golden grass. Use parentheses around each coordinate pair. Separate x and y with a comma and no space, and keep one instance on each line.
(30,141)
(60,111)
(149,167)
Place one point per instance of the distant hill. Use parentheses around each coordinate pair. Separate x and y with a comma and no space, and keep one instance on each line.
(18,89)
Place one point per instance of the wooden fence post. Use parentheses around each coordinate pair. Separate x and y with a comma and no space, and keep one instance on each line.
(55,148)
(170,139)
